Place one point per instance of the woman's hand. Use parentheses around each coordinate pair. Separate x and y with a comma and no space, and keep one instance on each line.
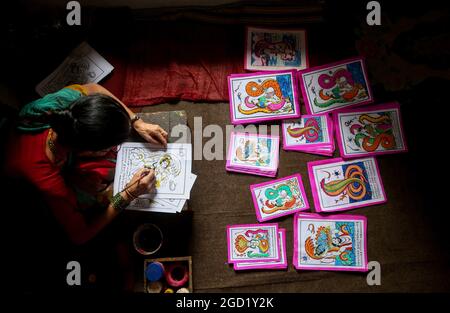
(151,132)
(142,182)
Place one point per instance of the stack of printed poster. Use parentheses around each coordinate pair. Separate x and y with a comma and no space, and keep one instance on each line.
(253,154)
(309,134)
(255,246)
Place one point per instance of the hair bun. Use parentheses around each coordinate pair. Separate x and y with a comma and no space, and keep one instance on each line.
(66,114)
(64,124)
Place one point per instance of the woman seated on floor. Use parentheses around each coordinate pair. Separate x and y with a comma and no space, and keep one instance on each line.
(65,147)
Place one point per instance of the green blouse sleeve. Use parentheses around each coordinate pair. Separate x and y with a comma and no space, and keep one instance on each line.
(32,115)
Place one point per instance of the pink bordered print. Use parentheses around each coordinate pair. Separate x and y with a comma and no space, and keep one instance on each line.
(253,154)
(335,86)
(340,185)
(342,240)
(308,132)
(370,131)
(279,197)
(269,49)
(253,243)
(263,96)
(272,265)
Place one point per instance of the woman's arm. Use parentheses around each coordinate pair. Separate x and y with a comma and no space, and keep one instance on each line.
(62,202)
(150,132)
(74,223)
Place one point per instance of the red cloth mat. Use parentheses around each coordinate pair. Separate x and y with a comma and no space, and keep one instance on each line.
(115,81)
(182,61)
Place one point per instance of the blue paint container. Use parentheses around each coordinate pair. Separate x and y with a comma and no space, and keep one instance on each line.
(154,271)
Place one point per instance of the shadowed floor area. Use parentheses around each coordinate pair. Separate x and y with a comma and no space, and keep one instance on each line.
(402,236)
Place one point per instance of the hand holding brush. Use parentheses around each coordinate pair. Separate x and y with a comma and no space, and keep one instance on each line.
(142,182)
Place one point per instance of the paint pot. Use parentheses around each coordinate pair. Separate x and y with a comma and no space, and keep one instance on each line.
(154,271)
(154,287)
(182,290)
(147,239)
(177,275)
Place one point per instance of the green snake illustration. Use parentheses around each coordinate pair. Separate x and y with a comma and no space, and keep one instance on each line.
(280,203)
(328,103)
(251,254)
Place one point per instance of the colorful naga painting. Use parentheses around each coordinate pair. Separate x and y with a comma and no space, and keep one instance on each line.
(261,97)
(370,131)
(334,86)
(253,151)
(281,264)
(253,154)
(310,131)
(324,243)
(275,49)
(253,242)
(342,185)
(353,185)
(279,197)
(307,130)
(331,246)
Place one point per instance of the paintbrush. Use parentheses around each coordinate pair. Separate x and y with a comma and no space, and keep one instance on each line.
(142,176)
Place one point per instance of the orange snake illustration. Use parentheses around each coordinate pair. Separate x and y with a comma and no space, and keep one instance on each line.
(253,89)
(353,184)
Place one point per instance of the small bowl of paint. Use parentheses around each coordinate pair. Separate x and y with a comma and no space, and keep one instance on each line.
(177,274)
(147,239)
(154,287)
(154,271)
(173,275)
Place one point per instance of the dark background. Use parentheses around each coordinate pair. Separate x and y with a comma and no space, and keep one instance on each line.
(408,61)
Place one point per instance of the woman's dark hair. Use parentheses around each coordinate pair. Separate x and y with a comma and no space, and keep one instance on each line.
(91,123)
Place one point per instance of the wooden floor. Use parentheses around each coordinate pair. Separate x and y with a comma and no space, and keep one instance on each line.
(401,234)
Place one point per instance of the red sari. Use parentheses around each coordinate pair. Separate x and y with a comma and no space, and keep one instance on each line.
(69,190)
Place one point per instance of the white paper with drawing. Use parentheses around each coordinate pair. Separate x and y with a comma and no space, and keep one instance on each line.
(83,65)
(161,205)
(172,168)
